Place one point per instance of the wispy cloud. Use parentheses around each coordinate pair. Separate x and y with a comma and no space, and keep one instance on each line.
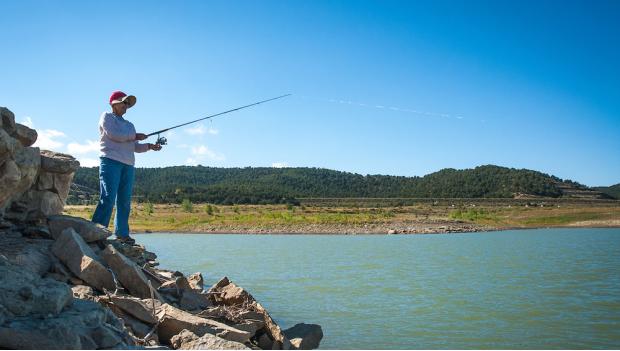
(89,146)
(46,138)
(204,151)
(200,129)
(279,165)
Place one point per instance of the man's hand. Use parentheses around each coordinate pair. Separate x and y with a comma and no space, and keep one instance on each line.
(154,147)
(140,136)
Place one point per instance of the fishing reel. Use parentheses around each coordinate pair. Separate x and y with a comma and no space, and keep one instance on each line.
(161,140)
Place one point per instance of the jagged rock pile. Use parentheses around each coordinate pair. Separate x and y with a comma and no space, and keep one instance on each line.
(65,284)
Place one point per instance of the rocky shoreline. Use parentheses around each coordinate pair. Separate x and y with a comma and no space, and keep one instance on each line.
(64,284)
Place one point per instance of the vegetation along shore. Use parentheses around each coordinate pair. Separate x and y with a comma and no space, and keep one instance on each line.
(367,216)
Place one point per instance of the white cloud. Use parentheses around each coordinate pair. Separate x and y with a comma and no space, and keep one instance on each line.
(90,146)
(45,137)
(191,162)
(202,150)
(88,162)
(200,130)
(279,165)
(197,130)
(27,122)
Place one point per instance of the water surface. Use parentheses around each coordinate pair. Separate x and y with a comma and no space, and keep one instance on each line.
(542,289)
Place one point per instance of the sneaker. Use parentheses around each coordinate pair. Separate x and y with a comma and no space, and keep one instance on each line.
(126,240)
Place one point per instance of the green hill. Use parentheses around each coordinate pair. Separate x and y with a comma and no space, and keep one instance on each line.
(613,191)
(284,185)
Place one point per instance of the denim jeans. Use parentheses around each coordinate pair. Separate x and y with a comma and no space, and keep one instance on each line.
(116,181)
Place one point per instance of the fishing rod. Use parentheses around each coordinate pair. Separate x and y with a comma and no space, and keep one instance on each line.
(164,141)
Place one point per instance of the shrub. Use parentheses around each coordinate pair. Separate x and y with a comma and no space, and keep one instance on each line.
(187,205)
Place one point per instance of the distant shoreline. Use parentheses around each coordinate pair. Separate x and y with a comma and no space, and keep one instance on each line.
(352,220)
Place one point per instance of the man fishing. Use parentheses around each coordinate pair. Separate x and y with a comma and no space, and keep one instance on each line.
(118,142)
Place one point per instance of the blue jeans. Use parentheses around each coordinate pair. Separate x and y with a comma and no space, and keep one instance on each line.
(116,181)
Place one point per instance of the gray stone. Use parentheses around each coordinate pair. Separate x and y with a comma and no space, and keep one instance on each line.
(8,144)
(88,230)
(25,293)
(128,273)
(83,292)
(35,257)
(85,325)
(10,176)
(141,309)
(174,320)
(226,293)
(45,181)
(62,184)
(41,203)
(305,336)
(186,340)
(57,162)
(7,120)
(195,281)
(73,251)
(25,135)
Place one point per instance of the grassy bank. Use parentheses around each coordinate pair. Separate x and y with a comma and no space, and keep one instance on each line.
(421,218)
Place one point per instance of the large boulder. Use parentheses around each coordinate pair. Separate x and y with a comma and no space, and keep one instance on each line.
(128,274)
(7,120)
(84,325)
(88,230)
(174,320)
(141,309)
(227,293)
(186,340)
(56,162)
(305,336)
(73,251)
(25,293)
(25,135)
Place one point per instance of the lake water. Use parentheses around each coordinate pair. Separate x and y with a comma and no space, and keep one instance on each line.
(542,289)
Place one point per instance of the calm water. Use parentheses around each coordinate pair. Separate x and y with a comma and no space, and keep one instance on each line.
(543,289)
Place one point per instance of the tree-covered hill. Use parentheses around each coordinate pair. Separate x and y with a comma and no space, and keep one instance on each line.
(284,185)
(613,191)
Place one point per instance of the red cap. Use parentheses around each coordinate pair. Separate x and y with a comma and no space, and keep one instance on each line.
(119,96)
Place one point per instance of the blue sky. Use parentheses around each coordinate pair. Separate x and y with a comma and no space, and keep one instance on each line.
(382,87)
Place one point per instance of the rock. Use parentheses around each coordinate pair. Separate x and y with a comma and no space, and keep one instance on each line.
(41,204)
(195,281)
(136,253)
(73,251)
(45,181)
(29,163)
(226,293)
(7,144)
(57,162)
(10,176)
(305,336)
(250,326)
(265,342)
(25,293)
(25,135)
(174,320)
(83,292)
(142,309)
(187,340)
(62,184)
(88,230)
(128,273)
(7,120)
(85,325)
(35,257)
